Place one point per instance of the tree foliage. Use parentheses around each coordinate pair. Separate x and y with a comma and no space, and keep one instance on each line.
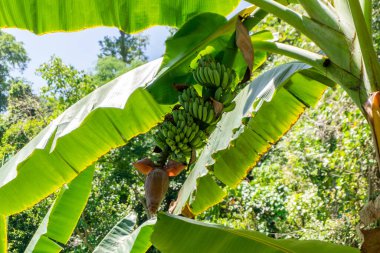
(126,47)
(12,57)
(65,84)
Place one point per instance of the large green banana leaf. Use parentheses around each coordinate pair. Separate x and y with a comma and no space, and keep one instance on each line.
(122,238)
(3,234)
(46,16)
(178,234)
(105,119)
(61,219)
(279,96)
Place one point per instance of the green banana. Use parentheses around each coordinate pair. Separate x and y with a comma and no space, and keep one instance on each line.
(182,124)
(199,115)
(232,83)
(227,98)
(191,137)
(164,132)
(201,75)
(195,108)
(188,132)
(213,65)
(162,145)
(192,92)
(210,75)
(196,76)
(218,94)
(199,145)
(219,68)
(230,107)
(204,113)
(175,116)
(216,77)
(195,141)
(225,80)
(171,135)
(160,135)
(210,116)
(170,142)
(186,106)
(205,73)
(185,96)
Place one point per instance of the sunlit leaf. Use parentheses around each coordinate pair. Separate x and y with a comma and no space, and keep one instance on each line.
(61,219)
(122,238)
(44,16)
(105,119)
(3,234)
(179,234)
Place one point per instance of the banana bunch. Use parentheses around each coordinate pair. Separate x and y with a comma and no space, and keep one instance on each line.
(197,106)
(181,136)
(225,97)
(214,74)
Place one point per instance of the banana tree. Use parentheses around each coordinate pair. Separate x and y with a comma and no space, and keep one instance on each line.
(112,114)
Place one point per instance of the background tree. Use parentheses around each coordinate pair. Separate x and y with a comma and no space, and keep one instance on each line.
(25,118)
(125,47)
(12,57)
(109,67)
(65,84)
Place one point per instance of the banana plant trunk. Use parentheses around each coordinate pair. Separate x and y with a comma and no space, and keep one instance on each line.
(370,213)
(372,113)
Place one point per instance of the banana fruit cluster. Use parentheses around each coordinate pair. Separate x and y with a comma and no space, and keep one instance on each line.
(214,74)
(197,106)
(181,136)
(190,124)
(219,79)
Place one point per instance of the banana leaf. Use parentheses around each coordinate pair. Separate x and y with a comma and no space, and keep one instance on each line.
(62,217)
(3,234)
(179,234)
(274,101)
(46,16)
(104,119)
(122,238)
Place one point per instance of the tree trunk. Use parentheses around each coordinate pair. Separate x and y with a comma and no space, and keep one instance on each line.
(123,51)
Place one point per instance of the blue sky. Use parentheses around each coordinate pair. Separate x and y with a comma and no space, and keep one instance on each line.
(80,49)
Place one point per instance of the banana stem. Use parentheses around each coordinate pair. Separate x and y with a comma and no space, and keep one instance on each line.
(372,110)
(164,155)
